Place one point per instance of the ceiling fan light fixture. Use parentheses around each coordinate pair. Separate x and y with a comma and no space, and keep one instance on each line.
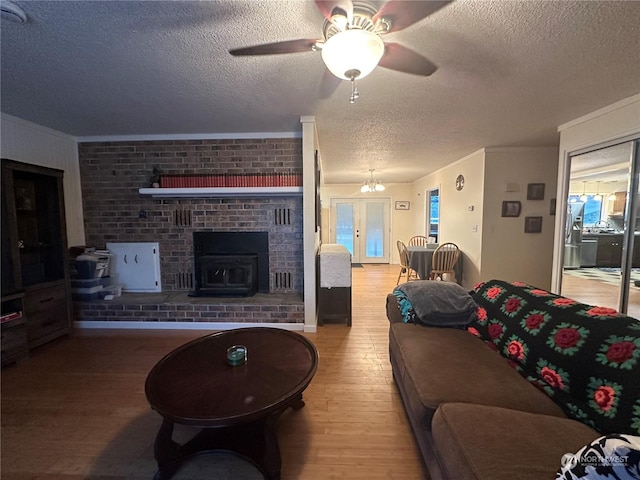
(352,53)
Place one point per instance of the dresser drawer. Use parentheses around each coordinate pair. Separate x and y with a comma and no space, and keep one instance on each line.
(14,343)
(47,314)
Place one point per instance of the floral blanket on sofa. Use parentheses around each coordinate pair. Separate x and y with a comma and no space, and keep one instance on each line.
(586,358)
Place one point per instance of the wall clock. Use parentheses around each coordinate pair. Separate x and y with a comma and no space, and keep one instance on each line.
(459,182)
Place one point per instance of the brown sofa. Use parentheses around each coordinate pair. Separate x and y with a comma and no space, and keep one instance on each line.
(473,414)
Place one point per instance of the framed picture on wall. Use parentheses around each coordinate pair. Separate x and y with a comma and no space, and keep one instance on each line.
(403,205)
(535,191)
(532,224)
(511,208)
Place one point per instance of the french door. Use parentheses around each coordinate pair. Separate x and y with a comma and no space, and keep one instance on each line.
(362,226)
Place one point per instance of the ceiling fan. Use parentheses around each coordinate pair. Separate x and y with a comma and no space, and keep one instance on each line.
(352,44)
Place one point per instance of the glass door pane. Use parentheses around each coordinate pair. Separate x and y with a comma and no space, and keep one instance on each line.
(345,228)
(374,231)
(601,262)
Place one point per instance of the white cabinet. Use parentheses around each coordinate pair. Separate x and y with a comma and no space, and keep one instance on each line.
(136,266)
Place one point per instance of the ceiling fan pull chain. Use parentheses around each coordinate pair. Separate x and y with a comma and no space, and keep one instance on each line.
(354,91)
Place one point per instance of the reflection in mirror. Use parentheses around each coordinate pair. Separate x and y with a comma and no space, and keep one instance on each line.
(597,219)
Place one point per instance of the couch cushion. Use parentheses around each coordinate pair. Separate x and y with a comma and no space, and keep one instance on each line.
(438,365)
(586,358)
(393,309)
(483,442)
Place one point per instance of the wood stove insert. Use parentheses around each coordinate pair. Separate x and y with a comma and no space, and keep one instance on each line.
(230,263)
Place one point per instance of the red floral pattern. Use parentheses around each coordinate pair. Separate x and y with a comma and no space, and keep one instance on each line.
(563,302)
(481,313)
(539,293)
(494,292)
(620,352)
(602,312)
(534,320)
(512,305)
(495,330)
(515,349)
(604,397)
(567,337)
(551,377)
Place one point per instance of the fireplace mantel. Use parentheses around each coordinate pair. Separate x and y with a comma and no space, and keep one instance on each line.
(221,192)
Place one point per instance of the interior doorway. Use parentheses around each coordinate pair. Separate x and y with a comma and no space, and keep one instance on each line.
(362,226)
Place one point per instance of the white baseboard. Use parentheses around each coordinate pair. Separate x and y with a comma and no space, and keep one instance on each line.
(185,325)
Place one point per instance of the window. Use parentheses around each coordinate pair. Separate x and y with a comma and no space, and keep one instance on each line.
(592,209)
(433,213)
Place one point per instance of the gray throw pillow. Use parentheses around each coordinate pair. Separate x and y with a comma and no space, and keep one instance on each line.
(434,303)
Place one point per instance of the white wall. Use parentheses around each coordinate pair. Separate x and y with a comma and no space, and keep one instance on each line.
(507,252)
(617,121)
(30,143)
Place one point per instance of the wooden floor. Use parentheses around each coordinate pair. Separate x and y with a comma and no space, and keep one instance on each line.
(76,408)
(594,292)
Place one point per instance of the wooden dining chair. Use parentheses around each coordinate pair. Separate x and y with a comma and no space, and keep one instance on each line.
(404,263)
(418,241)
(444,261)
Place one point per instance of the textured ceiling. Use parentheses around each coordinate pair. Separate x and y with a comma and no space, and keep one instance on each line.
(509,73)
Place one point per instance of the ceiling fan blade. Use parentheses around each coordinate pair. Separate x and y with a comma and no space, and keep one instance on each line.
(402,59)
(328,8)
(277,48)
(402,13)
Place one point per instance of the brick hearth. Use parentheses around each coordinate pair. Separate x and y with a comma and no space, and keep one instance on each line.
(179,307)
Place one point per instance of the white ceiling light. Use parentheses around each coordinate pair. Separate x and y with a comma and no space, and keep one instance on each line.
(12,12)
(372,184)
(352,54)
(598,197)
(583,197)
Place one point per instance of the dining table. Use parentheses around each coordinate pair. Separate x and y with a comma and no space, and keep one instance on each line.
(420,261)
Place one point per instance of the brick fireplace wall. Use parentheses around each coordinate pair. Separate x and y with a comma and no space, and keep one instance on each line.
(114,211)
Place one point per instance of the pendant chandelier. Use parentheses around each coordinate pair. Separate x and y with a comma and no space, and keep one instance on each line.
(372,184)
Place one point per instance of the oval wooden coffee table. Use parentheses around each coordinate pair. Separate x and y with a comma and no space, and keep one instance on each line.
(236,407)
